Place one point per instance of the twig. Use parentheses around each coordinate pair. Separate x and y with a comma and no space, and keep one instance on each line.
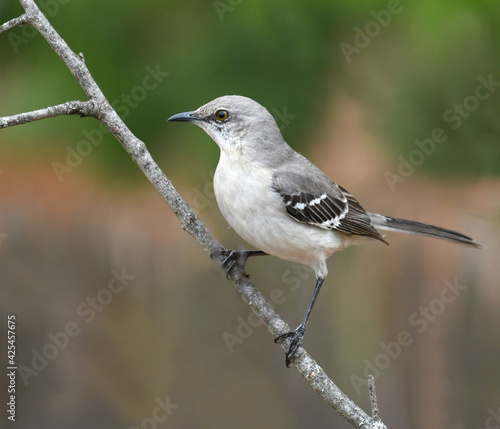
(376,421)
(13,23)
(82,108)
(99,107)
(373,396)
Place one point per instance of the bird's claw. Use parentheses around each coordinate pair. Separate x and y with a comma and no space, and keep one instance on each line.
(295,340)
(230,259)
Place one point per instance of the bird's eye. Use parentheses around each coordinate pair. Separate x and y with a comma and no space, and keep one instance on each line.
(222,115)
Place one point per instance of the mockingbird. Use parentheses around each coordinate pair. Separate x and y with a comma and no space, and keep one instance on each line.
(280,202)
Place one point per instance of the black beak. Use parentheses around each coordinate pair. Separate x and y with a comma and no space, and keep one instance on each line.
(184,117)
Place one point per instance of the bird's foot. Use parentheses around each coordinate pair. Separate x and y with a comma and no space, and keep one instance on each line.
(231,259)
(295,340)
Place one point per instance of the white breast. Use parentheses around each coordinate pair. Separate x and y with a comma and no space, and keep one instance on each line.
(257,213)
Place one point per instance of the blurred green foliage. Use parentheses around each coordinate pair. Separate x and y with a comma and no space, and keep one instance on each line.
(286,55)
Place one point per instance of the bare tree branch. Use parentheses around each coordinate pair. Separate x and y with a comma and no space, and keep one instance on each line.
(13,23)
(99,107)
(377,422)
(82,108)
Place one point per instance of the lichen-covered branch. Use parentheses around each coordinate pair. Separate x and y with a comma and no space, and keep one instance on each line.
(98,106)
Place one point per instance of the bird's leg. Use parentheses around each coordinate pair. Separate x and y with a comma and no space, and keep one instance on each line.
(231,258)
(297,335)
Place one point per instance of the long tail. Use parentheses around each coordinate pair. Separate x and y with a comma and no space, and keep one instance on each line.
(411,227)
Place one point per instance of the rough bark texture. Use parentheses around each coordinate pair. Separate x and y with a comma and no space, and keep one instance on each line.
(98,106)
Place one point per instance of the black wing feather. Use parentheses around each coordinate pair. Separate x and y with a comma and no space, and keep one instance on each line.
(335,210)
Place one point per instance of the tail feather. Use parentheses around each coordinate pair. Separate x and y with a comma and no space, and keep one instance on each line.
(410,227)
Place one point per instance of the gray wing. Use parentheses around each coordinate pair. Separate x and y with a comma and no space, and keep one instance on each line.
(309,196)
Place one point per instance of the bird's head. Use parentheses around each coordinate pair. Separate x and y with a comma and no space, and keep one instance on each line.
(238,125)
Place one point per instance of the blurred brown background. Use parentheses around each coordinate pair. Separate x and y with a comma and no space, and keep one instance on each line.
(125,320)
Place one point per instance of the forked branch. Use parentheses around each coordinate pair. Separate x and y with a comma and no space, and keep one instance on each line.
(98,106)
